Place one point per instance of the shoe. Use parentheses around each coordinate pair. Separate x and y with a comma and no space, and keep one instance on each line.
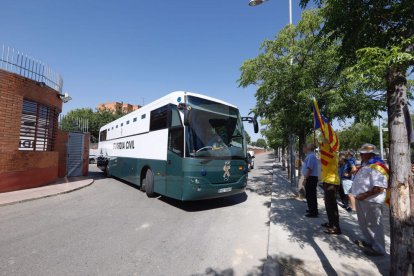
(332,231)
(371,252)
(349,210)
(362,243)
(311,215)
(326,225)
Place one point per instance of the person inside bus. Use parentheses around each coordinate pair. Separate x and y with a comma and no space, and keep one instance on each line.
(204,135)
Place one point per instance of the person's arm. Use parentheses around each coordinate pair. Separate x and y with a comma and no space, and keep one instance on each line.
(380,184)
(308,173)
(374,191)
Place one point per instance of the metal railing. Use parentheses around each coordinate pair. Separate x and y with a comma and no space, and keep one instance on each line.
(16,62)
(74,124)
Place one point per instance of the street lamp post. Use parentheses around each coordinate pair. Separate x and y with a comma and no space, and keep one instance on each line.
(254,3)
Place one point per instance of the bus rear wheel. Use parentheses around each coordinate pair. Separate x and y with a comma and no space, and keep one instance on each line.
(149,183)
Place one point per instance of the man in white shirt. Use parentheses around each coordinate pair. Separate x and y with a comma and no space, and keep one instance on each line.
(369,187)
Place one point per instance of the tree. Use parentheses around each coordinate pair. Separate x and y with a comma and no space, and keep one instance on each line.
(95,120)
(70,122)
(357,134)
(377,48)
(293,68)
(261,143)
(248,138)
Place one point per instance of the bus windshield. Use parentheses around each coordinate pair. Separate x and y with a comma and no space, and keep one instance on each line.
(215,130)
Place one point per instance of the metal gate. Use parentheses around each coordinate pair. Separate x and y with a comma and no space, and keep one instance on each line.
(75,153)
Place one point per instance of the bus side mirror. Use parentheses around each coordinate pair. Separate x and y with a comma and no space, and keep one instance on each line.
(252,120)
(255,125)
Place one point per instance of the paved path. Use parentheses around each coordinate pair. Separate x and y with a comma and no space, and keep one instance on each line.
(111,228)
(60,187)
(297,245)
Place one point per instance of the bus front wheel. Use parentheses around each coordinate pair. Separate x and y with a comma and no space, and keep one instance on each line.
(107,173)
(149,183)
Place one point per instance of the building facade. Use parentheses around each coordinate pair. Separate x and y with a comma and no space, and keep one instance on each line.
(114,106)
(28,128)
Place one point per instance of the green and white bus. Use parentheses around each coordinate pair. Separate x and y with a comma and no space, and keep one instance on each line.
(184,145)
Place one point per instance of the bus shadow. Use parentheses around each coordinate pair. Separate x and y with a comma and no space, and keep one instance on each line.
(206,204)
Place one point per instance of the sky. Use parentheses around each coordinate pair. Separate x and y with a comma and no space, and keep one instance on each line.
(138,51)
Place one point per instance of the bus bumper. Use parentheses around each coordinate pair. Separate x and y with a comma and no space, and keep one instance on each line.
(197,188)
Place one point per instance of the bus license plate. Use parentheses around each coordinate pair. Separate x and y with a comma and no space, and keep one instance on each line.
(224,190)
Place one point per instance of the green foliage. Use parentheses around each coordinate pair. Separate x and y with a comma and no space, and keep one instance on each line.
(261,143)
(248,138)
(296,66)
(358,134)
(275,135)
(361,24)
(95,120)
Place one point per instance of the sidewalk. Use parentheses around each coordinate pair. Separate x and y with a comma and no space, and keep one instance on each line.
(61,186)
(298,246)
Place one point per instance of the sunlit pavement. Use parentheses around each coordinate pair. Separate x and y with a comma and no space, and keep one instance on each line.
(111,228)
(298,246)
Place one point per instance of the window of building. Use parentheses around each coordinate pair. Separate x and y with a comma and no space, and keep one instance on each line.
(37,127)
(116,126)
(143,116)
(135,119)
(122,124)
(127,122)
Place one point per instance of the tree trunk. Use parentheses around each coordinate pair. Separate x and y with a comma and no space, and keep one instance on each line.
(283,157)
(402,190)
(288,162)
(302,141)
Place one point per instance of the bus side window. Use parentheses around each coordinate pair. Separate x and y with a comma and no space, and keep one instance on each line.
(159,118)
(102,135)
(176,140)
(175,117)
(176,132)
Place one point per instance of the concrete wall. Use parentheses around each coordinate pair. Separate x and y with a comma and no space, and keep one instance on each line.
(23,169)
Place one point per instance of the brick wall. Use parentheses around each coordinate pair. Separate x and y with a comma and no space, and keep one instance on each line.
(61,148)
(23,169)
(85,165)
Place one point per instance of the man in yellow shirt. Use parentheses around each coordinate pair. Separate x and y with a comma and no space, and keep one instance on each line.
(330,179)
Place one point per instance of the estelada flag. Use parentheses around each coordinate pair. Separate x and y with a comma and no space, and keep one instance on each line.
(328,148)
(320,122)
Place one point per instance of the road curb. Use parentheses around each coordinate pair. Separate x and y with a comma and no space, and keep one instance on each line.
(90,182)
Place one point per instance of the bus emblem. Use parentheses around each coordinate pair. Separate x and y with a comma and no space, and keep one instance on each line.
(226,170)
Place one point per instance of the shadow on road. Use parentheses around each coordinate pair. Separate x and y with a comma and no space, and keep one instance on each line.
(207,204)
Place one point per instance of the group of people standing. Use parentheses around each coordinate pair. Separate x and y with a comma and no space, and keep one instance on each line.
(362,189)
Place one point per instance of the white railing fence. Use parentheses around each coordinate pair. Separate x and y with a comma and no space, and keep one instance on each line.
(19,63)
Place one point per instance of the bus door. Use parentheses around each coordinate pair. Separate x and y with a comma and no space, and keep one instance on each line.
(175,154)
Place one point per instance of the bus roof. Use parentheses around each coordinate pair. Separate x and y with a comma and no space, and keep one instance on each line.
(164,100)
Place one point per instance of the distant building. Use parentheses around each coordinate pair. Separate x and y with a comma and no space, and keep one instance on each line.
(114,106)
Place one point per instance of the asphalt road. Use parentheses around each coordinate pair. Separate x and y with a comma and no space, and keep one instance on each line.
(111,228)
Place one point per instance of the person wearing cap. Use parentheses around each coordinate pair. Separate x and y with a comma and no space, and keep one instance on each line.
(369,187)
